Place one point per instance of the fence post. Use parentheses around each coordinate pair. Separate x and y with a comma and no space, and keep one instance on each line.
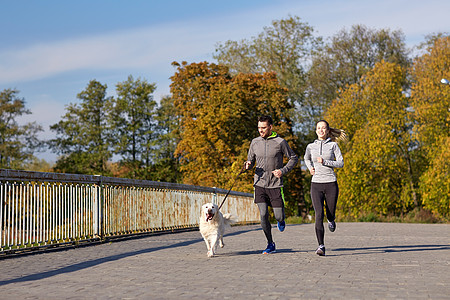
(2,221)
(100,208)
(215,195)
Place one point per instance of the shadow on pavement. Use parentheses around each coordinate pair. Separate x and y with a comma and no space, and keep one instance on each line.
(389,249)
(258,252)
(95,262)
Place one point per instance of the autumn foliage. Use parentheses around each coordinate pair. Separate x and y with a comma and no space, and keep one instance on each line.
(218,119)
(376,177)
(431,102)
(397,158)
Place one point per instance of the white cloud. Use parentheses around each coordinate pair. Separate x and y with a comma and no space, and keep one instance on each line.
(141,48)
(138,48)
(155,47)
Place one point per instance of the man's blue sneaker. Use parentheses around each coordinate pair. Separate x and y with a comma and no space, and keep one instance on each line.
(281,226)
(270,249)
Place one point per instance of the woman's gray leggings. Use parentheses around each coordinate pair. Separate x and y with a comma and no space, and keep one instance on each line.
(265,223)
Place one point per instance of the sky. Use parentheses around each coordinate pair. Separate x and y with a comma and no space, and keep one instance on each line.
(51,49)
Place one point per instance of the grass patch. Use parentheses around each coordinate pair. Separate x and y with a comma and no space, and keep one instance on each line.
(415,216)
(418,215)
(371,217)
(298,220)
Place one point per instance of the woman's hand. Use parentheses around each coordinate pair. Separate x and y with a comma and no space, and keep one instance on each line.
(312,171)
(320,160)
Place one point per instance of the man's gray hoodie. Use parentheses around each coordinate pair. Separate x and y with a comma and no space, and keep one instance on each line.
(332,158)
(268,155)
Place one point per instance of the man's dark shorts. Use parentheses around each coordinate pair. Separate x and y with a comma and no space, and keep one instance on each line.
(273,197)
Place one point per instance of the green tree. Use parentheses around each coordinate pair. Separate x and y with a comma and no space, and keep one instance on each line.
(378,176)
(284,48)
(166,166)
(132,123)
(82,136)
(17,142)
(348,56)
(39,165)
(430,100)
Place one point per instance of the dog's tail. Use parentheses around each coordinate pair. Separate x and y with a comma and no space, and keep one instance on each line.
(230,219)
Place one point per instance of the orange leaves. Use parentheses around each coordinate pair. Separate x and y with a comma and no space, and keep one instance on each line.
(218,117)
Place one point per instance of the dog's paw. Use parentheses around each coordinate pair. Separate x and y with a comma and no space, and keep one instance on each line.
(210,254)
(221,245)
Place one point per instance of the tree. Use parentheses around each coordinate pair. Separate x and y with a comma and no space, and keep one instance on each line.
(132,123)
(39,165)
(83,136)
(431,101)
(218,119)
(342,62)
(378,176)
(17,142)
(429,97)
(166,166)
(435,182)
(284,48)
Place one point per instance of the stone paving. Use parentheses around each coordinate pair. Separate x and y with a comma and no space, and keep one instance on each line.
(363,261)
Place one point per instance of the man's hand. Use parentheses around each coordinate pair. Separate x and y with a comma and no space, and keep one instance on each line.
(312,171)
(277,173)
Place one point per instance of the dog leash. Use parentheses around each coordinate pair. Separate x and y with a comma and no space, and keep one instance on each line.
(243,170)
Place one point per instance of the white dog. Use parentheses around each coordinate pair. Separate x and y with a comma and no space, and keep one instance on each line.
(212,226)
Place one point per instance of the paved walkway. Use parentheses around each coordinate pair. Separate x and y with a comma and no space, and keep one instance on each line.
(364,261)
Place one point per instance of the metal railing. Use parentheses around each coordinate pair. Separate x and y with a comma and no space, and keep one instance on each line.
(51,209)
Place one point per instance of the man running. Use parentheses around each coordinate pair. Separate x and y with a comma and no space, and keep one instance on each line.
(267,152)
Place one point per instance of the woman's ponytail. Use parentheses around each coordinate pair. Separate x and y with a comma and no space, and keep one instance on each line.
(337,135)
(333,133)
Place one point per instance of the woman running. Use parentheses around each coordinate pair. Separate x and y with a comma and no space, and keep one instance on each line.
(321,157)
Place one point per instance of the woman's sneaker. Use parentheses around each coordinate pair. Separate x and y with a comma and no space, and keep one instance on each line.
(270,249)
(332,226)
(321,250)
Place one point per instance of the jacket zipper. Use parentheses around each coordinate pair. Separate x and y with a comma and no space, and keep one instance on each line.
(265,162)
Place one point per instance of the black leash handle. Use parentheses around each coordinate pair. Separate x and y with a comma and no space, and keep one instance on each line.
(243,170)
